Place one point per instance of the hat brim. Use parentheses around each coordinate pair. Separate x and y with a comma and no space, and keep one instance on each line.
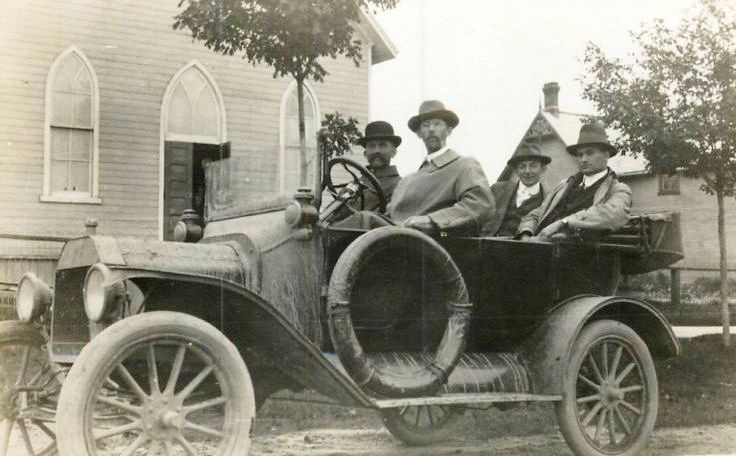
(572,150)
(395,140)
(543,159)
(448,116)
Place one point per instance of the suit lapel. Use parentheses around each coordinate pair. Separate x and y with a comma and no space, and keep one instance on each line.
(556,200)
(602,191)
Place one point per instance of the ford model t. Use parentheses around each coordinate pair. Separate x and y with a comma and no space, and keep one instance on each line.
(147,347)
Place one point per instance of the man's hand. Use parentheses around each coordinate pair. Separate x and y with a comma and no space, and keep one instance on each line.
(421,223)
(553,228)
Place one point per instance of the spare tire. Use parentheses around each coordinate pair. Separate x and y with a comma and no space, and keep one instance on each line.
(425,379)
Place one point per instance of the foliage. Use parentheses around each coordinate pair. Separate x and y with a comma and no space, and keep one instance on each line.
(676,103)
(289,36)
(338,135)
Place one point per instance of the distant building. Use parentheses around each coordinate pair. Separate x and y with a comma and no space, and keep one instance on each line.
(555,129)
(107,113)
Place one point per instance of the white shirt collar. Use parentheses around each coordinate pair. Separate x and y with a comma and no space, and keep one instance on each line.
(434,155)
(530,190)
(523,193)
(593,178)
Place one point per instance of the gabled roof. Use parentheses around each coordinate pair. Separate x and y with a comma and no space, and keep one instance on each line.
(566,126)
(383,48)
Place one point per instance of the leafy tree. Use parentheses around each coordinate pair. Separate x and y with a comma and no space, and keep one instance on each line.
(338,135)
(674,103)
(292,36)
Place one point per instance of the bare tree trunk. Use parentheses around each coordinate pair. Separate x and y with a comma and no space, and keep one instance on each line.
(303,167)
(725,319)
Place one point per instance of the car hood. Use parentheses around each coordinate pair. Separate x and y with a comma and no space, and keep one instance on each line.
(221,261)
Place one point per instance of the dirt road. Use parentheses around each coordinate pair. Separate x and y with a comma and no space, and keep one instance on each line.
(706,440)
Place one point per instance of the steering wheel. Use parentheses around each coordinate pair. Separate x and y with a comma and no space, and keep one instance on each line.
(347,192)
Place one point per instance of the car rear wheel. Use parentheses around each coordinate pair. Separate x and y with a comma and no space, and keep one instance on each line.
(421,424)
(28,392)
(609,403)
(158,383)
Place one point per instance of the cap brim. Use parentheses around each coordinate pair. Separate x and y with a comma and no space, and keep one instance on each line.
(543,159)
(448,116)
(395,140)
(573,149)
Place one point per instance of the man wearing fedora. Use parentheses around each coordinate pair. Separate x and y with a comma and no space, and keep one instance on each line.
(449,191)
(514,200)
(380,145)
(591,200)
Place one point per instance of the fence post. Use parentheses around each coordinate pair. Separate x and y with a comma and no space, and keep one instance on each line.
(675,286)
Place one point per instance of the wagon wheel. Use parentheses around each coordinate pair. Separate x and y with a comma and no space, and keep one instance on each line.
(610,398)
(160,383)
(28,392)
(422,424)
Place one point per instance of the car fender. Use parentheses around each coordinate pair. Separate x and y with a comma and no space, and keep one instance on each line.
(263,335)
(547,350)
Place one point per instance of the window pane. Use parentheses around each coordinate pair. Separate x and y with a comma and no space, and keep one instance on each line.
(82,111)
(180,113)
(70,66)
(292,108)
(79,177)
(61,108)
(205,114)
(83,82)
(308,107)
(193,82)
(81,146)
(62,81)
(59,143)
(59,175)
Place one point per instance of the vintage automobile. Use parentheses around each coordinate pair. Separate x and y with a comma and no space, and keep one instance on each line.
(170,347)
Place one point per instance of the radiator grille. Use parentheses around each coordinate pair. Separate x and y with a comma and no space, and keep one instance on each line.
(69,326)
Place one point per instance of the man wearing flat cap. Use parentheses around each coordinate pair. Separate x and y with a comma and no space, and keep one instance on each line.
(515,199)
(380,145)
(449,192)
(591,200)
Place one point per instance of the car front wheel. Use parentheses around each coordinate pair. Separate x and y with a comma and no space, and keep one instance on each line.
(609,403)
(157,383)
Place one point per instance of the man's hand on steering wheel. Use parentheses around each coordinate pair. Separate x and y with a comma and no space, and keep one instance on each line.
(346,193)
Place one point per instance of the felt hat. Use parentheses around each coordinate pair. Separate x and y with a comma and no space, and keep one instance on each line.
(379,130)
(528,151)
(593,134)
(433,109)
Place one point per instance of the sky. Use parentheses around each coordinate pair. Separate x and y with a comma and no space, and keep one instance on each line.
(487,60)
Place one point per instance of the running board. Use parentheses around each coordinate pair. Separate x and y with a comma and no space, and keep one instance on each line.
(479,398)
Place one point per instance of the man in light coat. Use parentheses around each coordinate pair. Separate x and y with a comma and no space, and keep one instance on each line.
(591,200)
(449,192)
(515,199)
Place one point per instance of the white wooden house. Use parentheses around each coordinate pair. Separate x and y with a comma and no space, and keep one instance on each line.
(106,112)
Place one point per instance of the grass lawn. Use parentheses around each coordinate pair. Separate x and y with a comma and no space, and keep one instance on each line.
(697,388)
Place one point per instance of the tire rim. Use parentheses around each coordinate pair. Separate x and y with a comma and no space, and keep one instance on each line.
(159,394)
(611,395)
(28,395)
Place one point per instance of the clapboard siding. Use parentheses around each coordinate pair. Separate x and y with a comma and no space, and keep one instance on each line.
(135,53)
(698,217)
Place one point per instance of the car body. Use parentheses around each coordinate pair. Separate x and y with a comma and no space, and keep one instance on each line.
(373,316)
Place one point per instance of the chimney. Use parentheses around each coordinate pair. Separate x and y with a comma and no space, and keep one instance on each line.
(551,94)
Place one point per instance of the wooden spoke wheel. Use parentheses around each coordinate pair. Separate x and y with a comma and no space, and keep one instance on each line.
(157,383)
(422,424)
(28,392)
(610,398)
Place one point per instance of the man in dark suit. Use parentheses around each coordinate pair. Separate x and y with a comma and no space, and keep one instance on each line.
(591,200)
(514,200)
(380,145)
(449,192)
